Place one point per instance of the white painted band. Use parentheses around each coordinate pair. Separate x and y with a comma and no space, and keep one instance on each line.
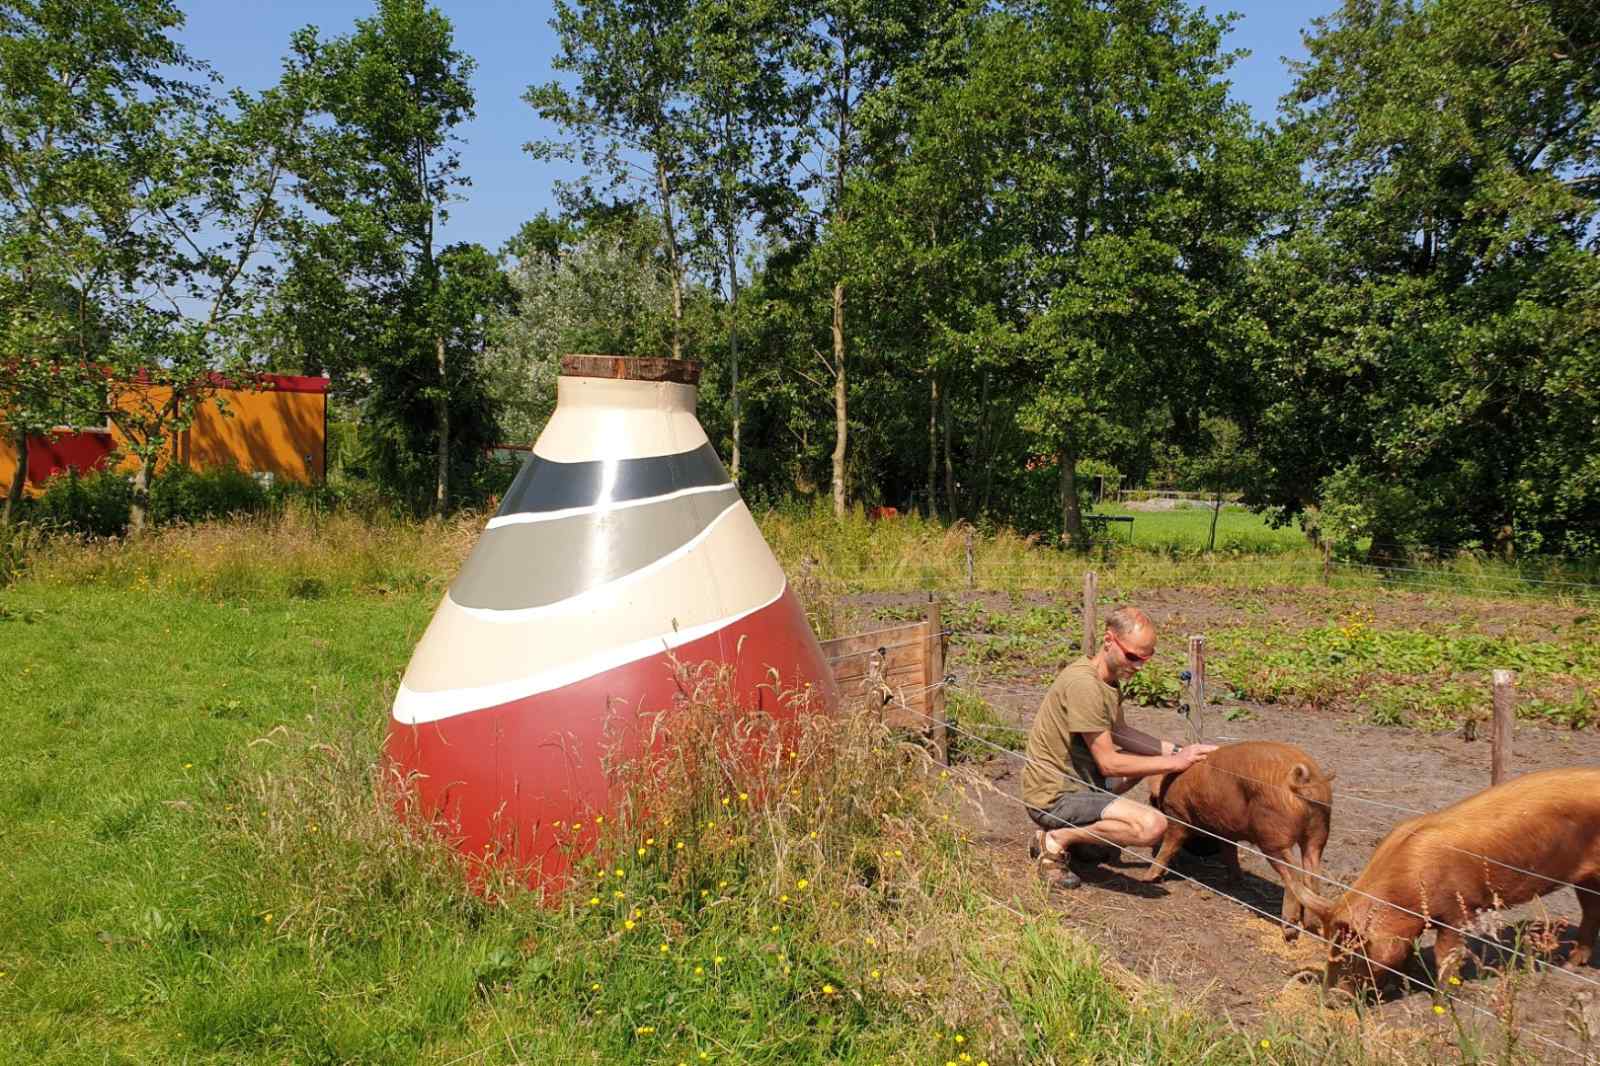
(417,708)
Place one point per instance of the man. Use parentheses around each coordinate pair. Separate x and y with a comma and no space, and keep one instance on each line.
(1082,754)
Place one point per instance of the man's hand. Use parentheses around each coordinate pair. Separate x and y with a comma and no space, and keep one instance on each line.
(1184,758)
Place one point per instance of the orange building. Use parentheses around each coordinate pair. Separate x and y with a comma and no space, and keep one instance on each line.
(279,428)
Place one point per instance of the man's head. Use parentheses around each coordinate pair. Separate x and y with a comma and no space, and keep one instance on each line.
(1129,643)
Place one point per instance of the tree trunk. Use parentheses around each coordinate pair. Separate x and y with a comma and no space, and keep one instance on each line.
(18,479)
(441,493)
(139,509)
(669,234)
(932,509)
(1071,513)
(733,343)
(1216,509)
(950,500)
(986,448)
(840,422)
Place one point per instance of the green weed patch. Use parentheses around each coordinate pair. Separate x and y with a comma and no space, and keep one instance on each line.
(1406,677)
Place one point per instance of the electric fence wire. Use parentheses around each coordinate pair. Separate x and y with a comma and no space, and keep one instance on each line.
(1283,862)
(1437,991)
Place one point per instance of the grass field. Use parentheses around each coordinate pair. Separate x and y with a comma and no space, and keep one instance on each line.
(1189,529)
(201,864)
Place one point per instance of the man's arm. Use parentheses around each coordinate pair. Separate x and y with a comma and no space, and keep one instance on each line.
(1138,742)
(1114,762)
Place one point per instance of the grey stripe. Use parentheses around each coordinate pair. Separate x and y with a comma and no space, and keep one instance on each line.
(532,564)
(545,485)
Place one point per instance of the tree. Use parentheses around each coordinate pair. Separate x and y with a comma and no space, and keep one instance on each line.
(1429,366)
(1087,191)
(580,285)
(626,115)
(381,166)
(737,156)
(843,54)
(134,208)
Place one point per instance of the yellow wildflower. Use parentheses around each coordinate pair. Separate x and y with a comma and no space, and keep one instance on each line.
(649,841)
(699,970)
(744,796)
(876,974)
(801,884)
(827,990)
(595,987)
(594,901)
(1266,1045)
(665,949)
(641,853)
(1438,1008)
(628,923)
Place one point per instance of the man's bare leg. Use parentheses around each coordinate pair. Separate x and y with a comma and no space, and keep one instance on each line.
(1125,822)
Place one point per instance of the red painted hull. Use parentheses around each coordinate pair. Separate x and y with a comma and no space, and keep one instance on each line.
(499,779)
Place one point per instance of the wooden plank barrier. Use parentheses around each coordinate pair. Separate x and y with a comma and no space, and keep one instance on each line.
(896,669)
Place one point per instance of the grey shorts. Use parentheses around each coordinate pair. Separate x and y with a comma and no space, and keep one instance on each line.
(1072,810)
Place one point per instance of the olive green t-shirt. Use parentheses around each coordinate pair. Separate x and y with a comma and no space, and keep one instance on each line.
(1059,759)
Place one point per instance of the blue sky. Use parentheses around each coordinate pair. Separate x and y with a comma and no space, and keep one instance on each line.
(245,41)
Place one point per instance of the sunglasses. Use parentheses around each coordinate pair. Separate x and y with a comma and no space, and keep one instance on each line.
(1132,656)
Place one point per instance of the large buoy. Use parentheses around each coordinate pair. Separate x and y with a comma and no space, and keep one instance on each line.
(621,551)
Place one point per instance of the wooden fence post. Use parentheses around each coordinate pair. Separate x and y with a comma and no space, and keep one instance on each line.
(1197,684)
(1327,562)
(933,678)
(969,557)
(1091,595)
(1505,713)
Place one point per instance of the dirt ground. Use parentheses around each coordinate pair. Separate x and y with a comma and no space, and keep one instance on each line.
(1202,939)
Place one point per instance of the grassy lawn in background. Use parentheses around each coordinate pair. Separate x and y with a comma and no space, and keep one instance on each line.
(1188,528)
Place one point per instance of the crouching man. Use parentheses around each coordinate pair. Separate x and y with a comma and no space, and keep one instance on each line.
(1082,755)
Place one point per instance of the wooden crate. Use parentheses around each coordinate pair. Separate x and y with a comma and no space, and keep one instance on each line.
(899,669)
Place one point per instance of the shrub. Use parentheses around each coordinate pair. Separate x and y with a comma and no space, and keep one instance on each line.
(96,504)
(179,494)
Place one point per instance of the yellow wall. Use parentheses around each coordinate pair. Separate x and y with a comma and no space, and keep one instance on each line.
(284,433)
(276,431)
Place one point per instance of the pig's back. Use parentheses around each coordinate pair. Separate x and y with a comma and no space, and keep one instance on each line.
(1236,786)
(1546,822)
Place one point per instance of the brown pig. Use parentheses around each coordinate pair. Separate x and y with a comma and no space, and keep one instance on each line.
(1272,795)
(1506,845)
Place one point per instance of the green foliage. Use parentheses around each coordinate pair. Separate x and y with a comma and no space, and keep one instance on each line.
(97,504)
(1429,352)
(400,323)
(1406,677)
(978,729)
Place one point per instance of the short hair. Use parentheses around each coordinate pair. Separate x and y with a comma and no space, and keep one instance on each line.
(1124,620)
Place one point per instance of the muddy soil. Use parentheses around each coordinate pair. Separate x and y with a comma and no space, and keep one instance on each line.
(1221,944)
